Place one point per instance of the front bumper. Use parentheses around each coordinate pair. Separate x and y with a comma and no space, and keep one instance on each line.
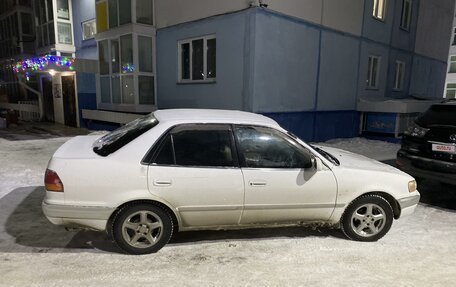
(94,217)
(409,203)
(426,167)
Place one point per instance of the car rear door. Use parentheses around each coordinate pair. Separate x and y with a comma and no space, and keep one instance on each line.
(195,169)
(278,188)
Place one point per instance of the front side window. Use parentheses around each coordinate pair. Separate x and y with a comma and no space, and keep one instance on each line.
(373,69)
(89,29)
(197,59)
(452,64)
(197,145)
(406,14)
(399,76)
(379,9)
(263,147)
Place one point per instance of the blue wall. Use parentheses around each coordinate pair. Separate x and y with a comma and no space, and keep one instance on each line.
(227,92)
(286,64)
(87,98)
(83,10)
(305,76)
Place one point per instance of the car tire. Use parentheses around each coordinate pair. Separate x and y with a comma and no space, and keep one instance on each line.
(141,228)
(367,218)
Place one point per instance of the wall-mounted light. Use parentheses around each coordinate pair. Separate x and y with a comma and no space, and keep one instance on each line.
(51,72)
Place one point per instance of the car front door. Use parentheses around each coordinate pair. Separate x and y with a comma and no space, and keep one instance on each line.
(195,169)
(278,187)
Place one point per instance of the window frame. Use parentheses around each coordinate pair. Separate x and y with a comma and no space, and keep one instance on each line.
(122,106)
(406,25)
(83,23)
(179,58)
(398,84)
(452,60)
(370,77)
(453,40)
(379,16)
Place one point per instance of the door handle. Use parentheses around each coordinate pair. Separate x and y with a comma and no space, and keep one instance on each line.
(162,182)
(257,183)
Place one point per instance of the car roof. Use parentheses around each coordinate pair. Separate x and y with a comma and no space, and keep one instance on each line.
(212,116)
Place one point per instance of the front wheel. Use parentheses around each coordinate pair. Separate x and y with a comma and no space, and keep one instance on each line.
(142,228)
(368,218)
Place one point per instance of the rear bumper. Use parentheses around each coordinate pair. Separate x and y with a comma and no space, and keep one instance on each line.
(94,217)
(425,167)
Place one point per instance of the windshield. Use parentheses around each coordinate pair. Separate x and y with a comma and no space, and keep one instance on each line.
(438,115)
(118,138)
(326,154)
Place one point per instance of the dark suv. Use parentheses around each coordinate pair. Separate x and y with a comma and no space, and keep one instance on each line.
(428,147)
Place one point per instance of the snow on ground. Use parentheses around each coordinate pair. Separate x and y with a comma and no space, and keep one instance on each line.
(419,250)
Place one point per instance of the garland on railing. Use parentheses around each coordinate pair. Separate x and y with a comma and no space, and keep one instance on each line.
(40,63)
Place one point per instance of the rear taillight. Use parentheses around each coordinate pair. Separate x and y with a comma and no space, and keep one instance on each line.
(52,181)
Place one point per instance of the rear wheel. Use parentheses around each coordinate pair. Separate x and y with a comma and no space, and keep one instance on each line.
(142,228)
(368,218)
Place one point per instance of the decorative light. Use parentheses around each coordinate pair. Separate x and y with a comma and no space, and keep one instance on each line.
(128,68)
(40,63)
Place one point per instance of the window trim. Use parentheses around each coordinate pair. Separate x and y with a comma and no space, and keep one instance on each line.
(383,13)
(449,89)
(406,26)
(189,41)
(369,79)
(94,20)
(398,84)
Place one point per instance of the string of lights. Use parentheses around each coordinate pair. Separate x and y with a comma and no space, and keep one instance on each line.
(40,63)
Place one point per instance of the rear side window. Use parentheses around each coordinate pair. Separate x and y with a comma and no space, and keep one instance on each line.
(197,145)
(438,115)
(118,138)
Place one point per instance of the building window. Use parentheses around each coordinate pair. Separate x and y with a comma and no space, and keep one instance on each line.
(27,23)
(89,29)
(63,10)
(406,14)
(373,69)
(454,37)
(102,16)
(379,9)
(124,12)
(399,76)
(452,64)
(126,71)
(450,91)
(64,33)
(144,12)
(45,29)
(197,59)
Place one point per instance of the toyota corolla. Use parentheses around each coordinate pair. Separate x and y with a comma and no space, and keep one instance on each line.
(180,170)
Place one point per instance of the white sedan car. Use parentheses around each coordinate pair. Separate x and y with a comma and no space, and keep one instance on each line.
(179,170)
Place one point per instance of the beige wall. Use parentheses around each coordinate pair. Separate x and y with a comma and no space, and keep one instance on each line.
(343,15)
(434,25)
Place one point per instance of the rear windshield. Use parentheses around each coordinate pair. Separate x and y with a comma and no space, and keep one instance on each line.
(438,115)
(118,138)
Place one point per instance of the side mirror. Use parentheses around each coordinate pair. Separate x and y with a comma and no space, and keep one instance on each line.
(311,163)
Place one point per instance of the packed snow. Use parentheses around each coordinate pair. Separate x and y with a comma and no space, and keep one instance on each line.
(419,250)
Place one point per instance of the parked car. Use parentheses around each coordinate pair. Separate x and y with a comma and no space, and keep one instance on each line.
(428,148)
(179,170)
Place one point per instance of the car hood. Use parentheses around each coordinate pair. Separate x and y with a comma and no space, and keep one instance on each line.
(356,161)
(78,147)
